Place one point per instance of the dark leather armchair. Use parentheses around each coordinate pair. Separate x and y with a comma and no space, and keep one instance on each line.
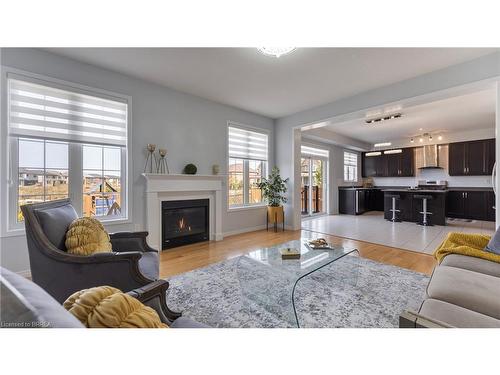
(132,264)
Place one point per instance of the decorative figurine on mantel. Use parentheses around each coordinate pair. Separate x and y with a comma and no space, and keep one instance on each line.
(150,159)
(215,169)
(162,164)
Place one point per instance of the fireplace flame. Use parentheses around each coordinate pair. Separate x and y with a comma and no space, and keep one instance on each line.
(183,225)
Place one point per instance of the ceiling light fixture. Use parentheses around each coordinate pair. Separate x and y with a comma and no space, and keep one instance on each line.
(275,51)
(385,118)
(425,136)
(384,144)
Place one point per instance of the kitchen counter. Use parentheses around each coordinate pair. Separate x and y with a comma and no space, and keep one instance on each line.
(416,191)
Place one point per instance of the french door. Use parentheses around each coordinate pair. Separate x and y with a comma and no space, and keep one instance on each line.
(313,173)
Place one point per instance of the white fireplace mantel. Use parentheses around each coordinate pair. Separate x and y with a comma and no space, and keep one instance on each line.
(169,187)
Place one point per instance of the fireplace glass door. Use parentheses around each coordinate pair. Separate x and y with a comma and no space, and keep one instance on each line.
(184,222)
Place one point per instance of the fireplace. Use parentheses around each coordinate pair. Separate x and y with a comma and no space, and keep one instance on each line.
(184,222)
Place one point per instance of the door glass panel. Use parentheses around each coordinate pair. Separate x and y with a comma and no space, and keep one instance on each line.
(305,183)
(317,191)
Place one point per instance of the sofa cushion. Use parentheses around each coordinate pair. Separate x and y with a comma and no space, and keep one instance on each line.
(472,264)
(28,305)
(456,316)
(149,265)
(184,322)
(55,222)
(494,244)
(468,289)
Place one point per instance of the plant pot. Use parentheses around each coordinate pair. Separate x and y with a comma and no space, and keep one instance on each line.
(275,214)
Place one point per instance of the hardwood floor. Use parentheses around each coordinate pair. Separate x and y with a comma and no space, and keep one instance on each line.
(187,258)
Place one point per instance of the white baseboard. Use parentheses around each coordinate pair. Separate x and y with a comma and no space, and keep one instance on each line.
(244,230)
(25,273)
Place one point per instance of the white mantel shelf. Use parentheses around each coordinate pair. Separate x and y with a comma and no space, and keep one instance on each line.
(161,176)
(168,187)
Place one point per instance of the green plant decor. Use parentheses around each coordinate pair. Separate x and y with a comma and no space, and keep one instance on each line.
(190,169)
(273,188)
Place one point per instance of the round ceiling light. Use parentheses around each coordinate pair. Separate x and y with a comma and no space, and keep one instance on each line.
(276,51)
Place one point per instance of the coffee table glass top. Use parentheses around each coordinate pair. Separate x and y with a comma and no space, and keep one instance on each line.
(268,282)
(310,259)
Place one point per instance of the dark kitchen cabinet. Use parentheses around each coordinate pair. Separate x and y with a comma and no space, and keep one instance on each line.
(389,165)
(474,158)
(475,205)
(455,204)
(469,205)
(490,154)
(358,201)
(456,159)
(490,206)
(374,165)
(369,168)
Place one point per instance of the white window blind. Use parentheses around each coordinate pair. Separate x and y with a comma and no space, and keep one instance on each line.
(247,144)
(40,111)
(312,151)
(350,166)
(350,158)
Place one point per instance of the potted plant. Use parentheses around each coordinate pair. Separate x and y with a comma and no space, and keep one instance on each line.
(273,189)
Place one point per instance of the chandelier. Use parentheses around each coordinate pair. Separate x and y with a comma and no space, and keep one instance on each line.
(275,51)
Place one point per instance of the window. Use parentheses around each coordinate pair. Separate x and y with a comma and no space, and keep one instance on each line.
(65,142)
(350,166)
(247,166)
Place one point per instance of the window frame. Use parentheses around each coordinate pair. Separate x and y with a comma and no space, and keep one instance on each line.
(356,177)
(246,175)
(9,188)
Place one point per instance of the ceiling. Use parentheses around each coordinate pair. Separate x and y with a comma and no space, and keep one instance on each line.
(246,79)
(460,113)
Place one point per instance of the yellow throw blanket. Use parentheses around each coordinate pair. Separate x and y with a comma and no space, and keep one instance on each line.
(465,244)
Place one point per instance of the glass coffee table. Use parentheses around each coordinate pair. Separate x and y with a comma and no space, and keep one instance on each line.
(268,282)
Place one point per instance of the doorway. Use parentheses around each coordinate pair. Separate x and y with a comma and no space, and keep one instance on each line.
(314,187)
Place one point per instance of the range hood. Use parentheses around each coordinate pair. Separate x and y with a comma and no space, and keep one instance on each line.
(432,157)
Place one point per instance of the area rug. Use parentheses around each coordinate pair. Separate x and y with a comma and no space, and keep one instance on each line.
(352,292)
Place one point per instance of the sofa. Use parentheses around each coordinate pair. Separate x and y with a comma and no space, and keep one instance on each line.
(24,304)
(463,292)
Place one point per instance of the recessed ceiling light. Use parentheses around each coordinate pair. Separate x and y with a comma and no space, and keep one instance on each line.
(275,51)
(384,144)
(440,138)
(421,140)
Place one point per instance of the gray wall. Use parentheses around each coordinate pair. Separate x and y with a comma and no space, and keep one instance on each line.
(191,128)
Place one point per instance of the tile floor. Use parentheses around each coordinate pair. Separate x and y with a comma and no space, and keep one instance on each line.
(372,227)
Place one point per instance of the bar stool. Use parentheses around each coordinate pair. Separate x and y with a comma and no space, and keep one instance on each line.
(424,211)
(395,217)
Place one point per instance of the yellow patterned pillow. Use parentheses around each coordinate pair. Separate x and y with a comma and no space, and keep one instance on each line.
(108,307)
(87,236)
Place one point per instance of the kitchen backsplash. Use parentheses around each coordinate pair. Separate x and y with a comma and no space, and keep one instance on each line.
(434,174)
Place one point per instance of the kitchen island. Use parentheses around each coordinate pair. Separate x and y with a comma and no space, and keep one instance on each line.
(410,207)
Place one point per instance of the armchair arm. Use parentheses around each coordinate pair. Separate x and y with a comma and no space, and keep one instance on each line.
(130,241)
(154,296)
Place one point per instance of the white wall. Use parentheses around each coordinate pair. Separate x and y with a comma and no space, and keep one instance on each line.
(191,128)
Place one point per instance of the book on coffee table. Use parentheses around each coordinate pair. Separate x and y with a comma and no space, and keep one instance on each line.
(290,253)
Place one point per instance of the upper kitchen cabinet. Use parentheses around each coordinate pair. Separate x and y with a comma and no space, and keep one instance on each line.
(374,164)
(389,163)
(474,158)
